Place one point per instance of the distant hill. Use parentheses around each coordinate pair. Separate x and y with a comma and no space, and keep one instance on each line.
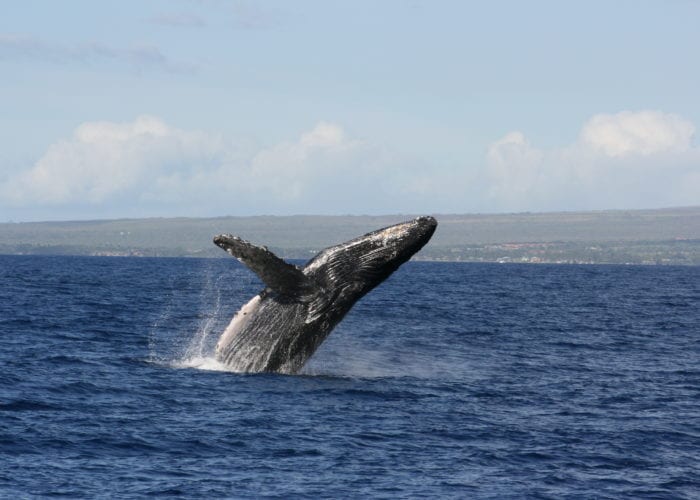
(627,236)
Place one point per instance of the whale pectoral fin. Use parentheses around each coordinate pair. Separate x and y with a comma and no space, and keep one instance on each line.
(283,278)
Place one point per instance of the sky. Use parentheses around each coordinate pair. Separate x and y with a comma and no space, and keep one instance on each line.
(214,107)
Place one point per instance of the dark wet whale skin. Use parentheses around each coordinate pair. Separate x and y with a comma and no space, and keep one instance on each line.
(281,327)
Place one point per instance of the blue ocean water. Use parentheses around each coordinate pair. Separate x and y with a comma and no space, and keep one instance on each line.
(449,380)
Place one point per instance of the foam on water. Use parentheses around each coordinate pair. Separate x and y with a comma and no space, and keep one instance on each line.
(208,363)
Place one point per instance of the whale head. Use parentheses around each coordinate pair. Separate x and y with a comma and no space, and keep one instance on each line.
(366,261)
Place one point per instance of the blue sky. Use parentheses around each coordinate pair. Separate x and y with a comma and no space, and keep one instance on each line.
(199,108)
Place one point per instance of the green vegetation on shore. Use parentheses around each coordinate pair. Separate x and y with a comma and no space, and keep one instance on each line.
(664,236)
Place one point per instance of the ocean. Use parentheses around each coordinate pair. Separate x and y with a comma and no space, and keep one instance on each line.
(449,380)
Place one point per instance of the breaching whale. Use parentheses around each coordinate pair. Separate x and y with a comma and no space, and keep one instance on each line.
(280,328)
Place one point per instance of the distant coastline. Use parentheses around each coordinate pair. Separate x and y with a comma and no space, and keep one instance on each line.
(659,236)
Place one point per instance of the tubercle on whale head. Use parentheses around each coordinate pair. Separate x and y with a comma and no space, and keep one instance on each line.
(409,236)
(420,231)
(427,223)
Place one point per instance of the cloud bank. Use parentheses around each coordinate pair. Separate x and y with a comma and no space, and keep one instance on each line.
(146,167)
(624,160)
(151,164)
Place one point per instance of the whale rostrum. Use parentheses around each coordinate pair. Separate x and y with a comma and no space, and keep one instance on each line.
(281,327)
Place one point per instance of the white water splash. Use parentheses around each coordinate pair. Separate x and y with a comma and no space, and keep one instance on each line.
(198,346)
(183,349)
(153,342)
(199,352)
(208,363)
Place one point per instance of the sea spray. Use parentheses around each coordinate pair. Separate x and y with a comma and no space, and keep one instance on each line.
(185,332)
(154,338)
(200,351)
(211,294)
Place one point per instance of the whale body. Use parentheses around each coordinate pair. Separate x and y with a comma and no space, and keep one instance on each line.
(281,327)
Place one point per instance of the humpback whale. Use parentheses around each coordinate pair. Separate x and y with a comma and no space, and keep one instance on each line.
(280,328)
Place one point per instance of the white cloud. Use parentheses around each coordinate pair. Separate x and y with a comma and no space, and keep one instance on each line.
(151,163)
(148,167)
(514,166)
(626,160)
(294,168)
(106,160)
(643,132)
